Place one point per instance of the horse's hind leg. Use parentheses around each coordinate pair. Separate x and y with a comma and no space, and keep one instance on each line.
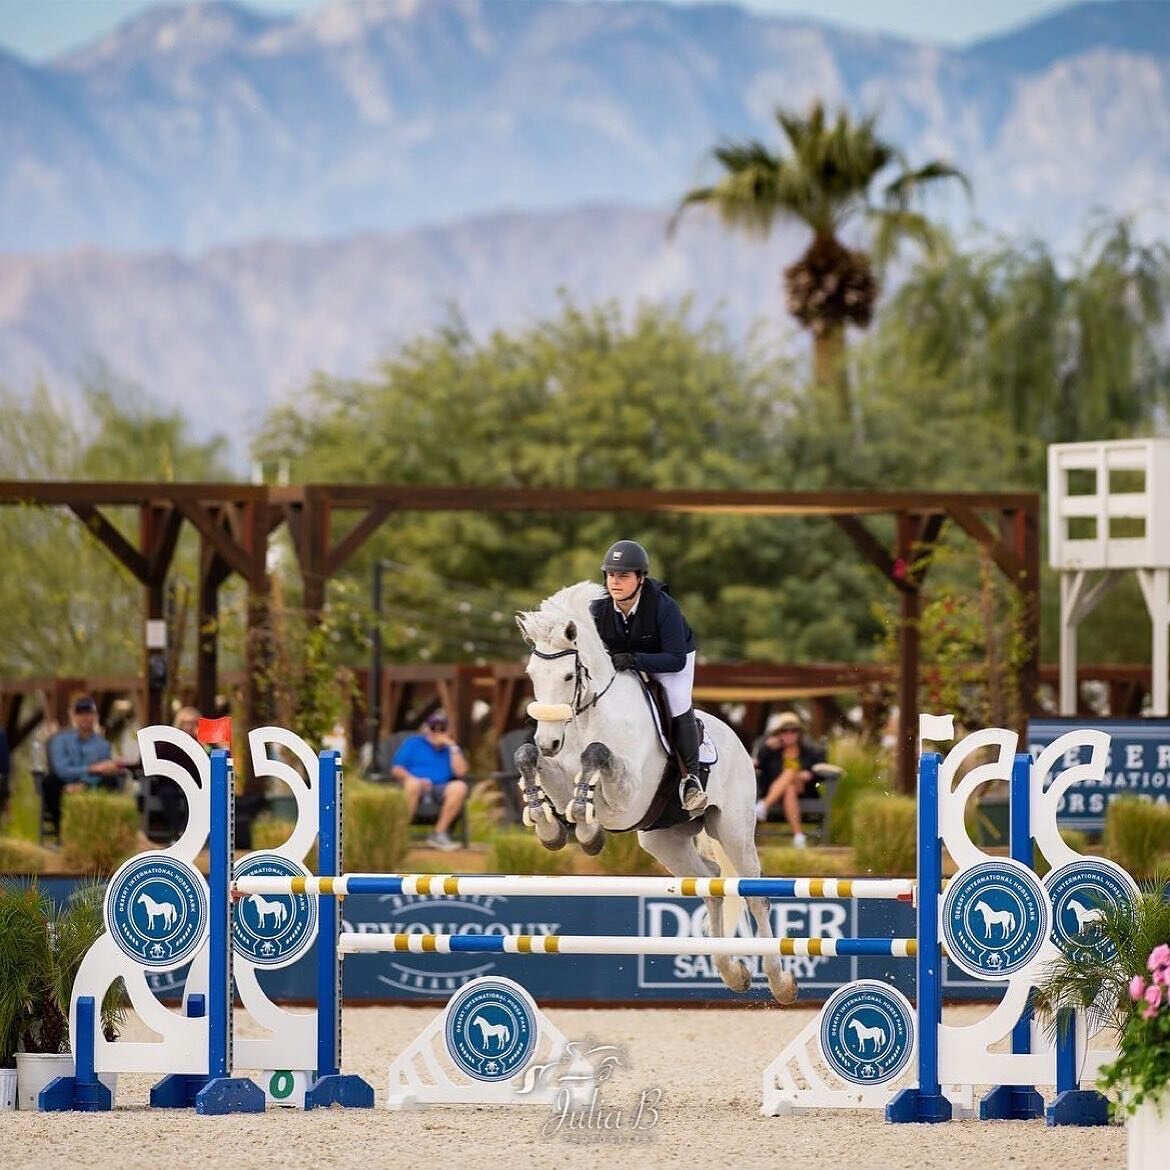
(677,851)
(744,859)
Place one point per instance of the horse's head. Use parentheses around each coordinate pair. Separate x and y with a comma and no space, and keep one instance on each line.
(566,657)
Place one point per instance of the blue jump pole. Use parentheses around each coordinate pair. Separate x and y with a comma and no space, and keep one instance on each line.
(223,1093)
(331,1086)
(926,1102)
(1017,1102)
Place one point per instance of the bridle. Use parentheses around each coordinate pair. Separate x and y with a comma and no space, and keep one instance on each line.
(581,677)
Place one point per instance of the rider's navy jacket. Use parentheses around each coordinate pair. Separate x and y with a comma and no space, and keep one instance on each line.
(658,635)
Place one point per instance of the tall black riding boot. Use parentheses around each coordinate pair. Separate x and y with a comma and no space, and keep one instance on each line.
(685,732)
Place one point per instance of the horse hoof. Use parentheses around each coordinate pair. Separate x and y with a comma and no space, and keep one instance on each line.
(556,839)
(593,845)
(737,976)
(783,987)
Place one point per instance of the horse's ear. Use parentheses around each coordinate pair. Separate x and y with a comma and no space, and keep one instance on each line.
(571,631)
(524,629)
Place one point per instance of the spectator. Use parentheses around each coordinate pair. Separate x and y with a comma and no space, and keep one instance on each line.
(5,771)
(78,757)
(433,761)
(784,763)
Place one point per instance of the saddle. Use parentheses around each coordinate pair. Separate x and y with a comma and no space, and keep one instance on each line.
(665,810)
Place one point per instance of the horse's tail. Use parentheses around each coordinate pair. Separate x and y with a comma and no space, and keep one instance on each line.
(733,907)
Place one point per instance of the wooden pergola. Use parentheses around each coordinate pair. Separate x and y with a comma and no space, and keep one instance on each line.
(235,523)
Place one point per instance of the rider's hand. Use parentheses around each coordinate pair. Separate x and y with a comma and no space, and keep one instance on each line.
(624,661)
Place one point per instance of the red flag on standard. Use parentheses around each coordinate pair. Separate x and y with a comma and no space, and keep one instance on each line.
(215,730)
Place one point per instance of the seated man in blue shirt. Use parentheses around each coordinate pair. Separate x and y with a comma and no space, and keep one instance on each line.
(77,758)
(433,760)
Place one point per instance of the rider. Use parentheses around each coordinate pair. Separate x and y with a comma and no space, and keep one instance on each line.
(644,629)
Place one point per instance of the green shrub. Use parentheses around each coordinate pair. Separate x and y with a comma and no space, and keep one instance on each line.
(271,832)
(885,832)
(517,851)
(99,830)
(865,772)
(623,855)
(784,861)
(17,856)
(24,806)
(377,828)
(484,810)
(1137,835)
(1075,839)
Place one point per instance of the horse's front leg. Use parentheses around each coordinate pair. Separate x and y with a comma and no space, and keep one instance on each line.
(539,811)
(598,766)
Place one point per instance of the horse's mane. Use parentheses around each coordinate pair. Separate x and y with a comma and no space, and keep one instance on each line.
(545,624)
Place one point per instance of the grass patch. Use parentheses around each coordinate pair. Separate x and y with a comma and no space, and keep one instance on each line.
(885,836)
(623,855)
(866,772)
(377,827)
(784,861)
(18,856)
(1137,835)
(517,851)
(99,830)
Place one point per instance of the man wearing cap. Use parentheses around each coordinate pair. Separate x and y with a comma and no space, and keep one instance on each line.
(78,757)
(784,767)
(433,760)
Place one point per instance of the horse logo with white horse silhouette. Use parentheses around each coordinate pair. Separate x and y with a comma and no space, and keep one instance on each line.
(867,1032)
(995,918)
(490,1029)
(156,910)
(272,931)
(1081,893)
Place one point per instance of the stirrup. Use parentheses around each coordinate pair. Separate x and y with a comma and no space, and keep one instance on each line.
(691,794)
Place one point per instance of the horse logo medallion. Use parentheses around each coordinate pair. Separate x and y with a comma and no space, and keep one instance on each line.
(490,1029)
(272,930)
(995,918)
(1079,891)
(867,1032)
(156,910)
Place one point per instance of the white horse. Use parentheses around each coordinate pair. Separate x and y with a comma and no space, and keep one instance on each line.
(1084,915)
(596,764)
(164,910)
(1004,919)
(278,910)
(497,1032)
(864,1034)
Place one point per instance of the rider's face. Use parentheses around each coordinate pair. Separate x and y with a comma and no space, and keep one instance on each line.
(622,585)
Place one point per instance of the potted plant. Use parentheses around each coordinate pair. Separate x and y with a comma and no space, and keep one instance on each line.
(1121,976)
(42,945)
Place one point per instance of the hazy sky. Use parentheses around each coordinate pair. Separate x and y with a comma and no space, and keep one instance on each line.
(38,29)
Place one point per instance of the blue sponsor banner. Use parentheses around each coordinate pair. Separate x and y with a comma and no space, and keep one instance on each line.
(1139,765)
(551,979)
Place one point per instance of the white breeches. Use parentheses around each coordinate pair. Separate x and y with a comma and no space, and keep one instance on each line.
(678,687)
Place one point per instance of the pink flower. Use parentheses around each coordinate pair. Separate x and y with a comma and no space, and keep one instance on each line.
(1153,997)
(1148,1013)
(1159,957)
(1137,988)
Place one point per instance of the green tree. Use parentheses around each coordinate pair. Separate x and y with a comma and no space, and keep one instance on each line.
(69,607)
(825,180)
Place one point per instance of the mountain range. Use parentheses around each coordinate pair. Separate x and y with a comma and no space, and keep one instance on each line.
(215,202)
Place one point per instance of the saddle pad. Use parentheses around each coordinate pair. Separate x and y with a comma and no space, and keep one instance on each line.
(708,753)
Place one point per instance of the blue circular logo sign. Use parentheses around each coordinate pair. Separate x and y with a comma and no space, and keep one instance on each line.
(995,918)
(1079,891)
(272,930)
(156,910)
(490,1029)
(867,1032)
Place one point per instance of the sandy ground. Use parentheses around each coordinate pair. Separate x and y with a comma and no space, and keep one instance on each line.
(707,1064)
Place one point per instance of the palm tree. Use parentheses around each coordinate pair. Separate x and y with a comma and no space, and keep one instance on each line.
(824,181)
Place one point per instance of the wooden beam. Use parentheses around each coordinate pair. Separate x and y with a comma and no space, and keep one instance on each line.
(107,534)
(353,540)
(874,551)
(208,525)
(160,556)
(974,526)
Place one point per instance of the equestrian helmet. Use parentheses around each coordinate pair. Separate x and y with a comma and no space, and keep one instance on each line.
(626,556)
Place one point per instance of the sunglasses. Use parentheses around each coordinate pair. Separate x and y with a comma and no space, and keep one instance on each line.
(437,726)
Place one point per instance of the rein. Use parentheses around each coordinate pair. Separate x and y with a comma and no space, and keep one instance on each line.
(581,676)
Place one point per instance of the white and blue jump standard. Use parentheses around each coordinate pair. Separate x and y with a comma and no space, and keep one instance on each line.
(161,915)
(998,922)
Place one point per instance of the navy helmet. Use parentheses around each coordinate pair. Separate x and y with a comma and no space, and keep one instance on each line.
(626,556)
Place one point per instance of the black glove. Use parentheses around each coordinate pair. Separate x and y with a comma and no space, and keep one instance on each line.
(624,662)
